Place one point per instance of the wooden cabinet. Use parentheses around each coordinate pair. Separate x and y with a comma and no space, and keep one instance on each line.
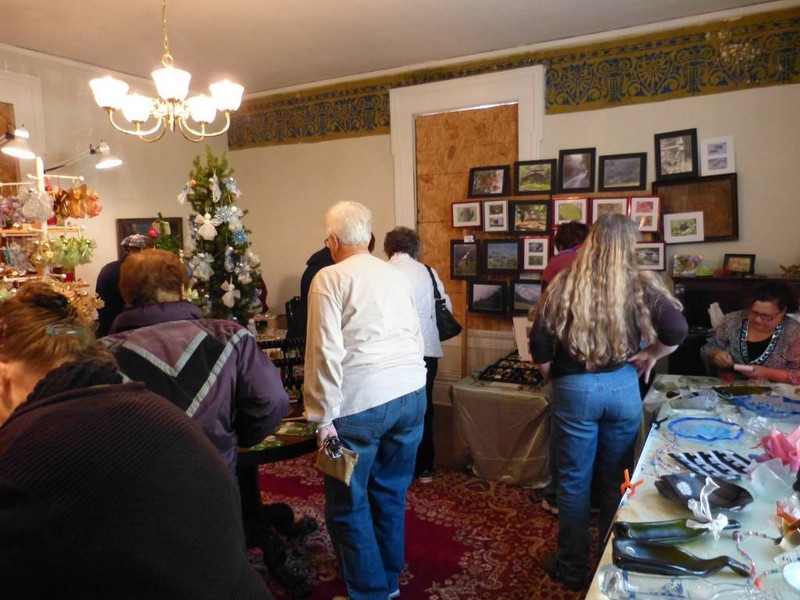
(697,294)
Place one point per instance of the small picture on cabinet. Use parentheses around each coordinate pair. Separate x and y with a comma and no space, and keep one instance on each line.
(500,256)
(534,176)
(530,216)
(535,253)
(620,172)
(487,297)
(609,206)
(488,181)
(576,170)
(740,264)
(466,214)
(650,256)
(570,209)
(495,215)
(463,259)
(524,295)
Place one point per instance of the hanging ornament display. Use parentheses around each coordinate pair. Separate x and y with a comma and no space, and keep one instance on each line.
(36,205)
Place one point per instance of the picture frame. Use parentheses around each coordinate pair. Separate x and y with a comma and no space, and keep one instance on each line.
(524,295)
(530,216)
(485,182)
(576,170)
(676,155)
(500,256)
(487,297)
(495,216)
(467,214)
(717,156)
(645,211)
(602,206)
(740,264)
(535,176)
(622,172)
(716,196)
(570,209)
(684,228)
(651,256)
(142,226)
(535,253)
(464,259)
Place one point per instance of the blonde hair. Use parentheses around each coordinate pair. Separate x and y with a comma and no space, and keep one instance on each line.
(597,309)
(39,327)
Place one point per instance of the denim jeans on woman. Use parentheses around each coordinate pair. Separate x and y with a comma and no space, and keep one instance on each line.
(366,521)
(598,416)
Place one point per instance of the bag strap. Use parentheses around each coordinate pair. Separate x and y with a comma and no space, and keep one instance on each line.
(436,294)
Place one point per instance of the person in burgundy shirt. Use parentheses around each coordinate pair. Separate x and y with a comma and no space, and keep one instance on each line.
(568,240)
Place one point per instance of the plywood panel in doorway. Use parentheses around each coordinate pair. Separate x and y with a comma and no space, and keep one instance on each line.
(9,166)
(448,145)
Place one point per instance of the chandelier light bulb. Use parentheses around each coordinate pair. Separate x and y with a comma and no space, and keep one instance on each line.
(202,108)
(227,95)
(109,92)
(172,84)
(137,108)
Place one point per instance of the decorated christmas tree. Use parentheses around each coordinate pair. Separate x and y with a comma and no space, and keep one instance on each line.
(226,274)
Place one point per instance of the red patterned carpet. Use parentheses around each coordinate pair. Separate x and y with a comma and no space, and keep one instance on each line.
(466,538)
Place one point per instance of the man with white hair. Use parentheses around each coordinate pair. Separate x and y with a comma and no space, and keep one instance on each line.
(365,383)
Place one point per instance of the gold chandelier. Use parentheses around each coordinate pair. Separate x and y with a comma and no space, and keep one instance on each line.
(152,117)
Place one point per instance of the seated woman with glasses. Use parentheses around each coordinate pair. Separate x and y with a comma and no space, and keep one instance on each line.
(761,341)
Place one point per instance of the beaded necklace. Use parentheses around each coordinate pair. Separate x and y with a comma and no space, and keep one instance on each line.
(764,355)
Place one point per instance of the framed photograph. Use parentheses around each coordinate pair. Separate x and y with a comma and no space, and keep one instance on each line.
(463,259)
(487,297)
(684,228)
(570,209)
(715,196)
(650,256)
(740,264)
(535,252)
(530,216)
(576,170)
(621,172)
(645,211)
(500,256)
(466,214)
(524,295)
(535,176)
(488,181)
(676,155)
(495,215)
(126,227)
(606,206)
(717,157)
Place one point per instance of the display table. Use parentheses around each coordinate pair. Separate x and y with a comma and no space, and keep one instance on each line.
(648,505)
(502,430)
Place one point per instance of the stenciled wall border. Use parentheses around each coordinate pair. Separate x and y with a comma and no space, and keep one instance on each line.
(755,51)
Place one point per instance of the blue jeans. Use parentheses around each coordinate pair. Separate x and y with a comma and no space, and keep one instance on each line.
(366,521)
(597,415)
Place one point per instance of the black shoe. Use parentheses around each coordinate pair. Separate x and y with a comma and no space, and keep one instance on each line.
(425,476)
(550,566)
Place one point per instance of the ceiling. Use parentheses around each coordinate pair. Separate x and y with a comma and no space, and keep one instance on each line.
(272,44)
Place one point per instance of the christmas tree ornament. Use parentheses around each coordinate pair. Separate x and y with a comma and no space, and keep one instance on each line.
(229,265)
(216,193)
(240,237)
(184,193)
(201,266)
(231,294)
(208,226)
(230,185)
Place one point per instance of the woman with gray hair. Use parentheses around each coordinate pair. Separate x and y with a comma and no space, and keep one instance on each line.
(402,246)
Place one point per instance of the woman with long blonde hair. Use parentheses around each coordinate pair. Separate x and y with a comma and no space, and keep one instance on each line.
(598,326)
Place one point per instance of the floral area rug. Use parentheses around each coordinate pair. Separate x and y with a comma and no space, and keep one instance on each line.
(466,538)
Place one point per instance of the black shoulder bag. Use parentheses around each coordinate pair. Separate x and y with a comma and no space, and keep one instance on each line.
(445,321)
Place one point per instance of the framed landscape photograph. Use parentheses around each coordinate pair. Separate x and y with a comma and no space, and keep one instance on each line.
(488,181)
(576,170)
(463,259)
(645,211)
(535,176)
(126,227)
(535,252)
(495,215)
(715,196)
(717,157)
(487,297)
(740,264)
(606,206)
(684,228)
(500,256)
(650,256)
(570,209)
(530,216)
(676,155)
(524,295)
(466,214)
(621,172)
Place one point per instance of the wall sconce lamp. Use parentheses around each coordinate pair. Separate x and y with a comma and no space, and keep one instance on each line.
(105,160)
(15,142)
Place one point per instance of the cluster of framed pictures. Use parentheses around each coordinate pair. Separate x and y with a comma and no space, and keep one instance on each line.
(501,297)
(525,217)
(501,256)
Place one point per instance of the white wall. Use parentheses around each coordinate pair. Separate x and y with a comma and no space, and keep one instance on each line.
(147,182)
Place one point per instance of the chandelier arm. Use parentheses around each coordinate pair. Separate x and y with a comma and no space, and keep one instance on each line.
(138,131)
(189,133)
(184,126)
